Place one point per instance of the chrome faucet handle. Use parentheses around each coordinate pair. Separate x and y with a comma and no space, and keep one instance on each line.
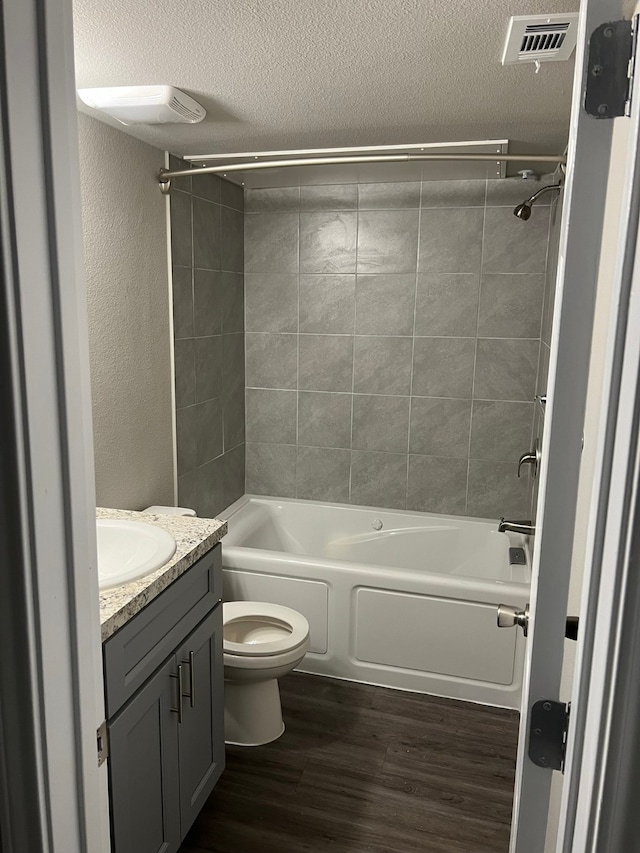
(527,459)
(531,458)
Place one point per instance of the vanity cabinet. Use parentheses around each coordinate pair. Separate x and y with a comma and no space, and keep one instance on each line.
(164,692)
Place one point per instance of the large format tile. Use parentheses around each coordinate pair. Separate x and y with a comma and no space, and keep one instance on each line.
(385,304)
(513,191)
(380,423)
(322,474)
(447,304)
(500,430)
(271,416)
(231,240)
(505,369)
(437,484)
(185,372)
(206,186)
(271,470)
(378,479)
(324,419)
(510,306)
(327,304)
(232,287)
(232,362)
(210,489)
(233,472)
(443,367)
(186,439)
(271,360)
(182,278)
(329,197)
(396,195)
(387,241)
(208,430)
(328,242)
(513,245)
(188,489)
(233,414)
(453,193)
(451,240)
(271,242)
(271,302)
(325,363)
(231,195)
(181,234)
(206,234)
(207,303)
(208,361)
(495,490)
(440,427)
(271,199)
(382,365)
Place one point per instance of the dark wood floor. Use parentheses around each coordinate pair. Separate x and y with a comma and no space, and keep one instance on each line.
(364,768)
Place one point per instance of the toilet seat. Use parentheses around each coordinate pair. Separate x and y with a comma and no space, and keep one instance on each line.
(293,626)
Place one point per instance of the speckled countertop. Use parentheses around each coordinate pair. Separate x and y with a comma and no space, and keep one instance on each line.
(194,537)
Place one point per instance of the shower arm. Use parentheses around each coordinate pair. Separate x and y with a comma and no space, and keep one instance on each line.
(532,199)
(165,175)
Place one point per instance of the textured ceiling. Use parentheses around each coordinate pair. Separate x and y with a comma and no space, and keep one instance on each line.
(276,74)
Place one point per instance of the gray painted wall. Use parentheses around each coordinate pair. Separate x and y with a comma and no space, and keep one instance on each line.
(124,228)
(392,343)
(208,316)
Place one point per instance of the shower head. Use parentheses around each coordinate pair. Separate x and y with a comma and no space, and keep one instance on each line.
(523,211)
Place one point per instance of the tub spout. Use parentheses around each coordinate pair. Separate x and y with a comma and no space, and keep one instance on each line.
(524,527)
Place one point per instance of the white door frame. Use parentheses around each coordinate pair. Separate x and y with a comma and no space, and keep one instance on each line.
(52,793)
(599,806)
(577,277)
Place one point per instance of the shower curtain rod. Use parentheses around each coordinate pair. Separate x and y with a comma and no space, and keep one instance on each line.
(165,175)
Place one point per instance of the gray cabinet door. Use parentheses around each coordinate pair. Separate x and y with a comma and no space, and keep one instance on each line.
(143,769)
(201,733)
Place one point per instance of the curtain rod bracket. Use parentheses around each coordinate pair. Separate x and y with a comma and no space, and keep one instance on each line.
(164,183)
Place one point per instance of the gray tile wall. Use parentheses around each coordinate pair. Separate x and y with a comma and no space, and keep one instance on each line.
(392,343)
(208,314)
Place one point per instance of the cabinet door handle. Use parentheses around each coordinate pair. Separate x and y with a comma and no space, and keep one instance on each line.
(192,677)
(179,710)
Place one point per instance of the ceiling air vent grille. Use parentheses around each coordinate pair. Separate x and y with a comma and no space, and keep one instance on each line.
(184,110)
(540,38)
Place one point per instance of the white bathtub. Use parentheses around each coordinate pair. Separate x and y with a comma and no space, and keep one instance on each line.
(411,605)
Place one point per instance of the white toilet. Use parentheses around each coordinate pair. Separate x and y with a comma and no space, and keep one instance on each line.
(261,643)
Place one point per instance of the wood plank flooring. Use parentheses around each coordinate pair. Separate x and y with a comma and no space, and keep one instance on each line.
(364,769)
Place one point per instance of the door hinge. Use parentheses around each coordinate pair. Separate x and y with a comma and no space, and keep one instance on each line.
(548,728)
(102,742)
(610,69)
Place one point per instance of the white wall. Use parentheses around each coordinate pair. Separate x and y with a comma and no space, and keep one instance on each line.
(125,243)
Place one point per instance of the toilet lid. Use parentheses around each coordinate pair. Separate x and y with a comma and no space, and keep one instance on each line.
(292,625)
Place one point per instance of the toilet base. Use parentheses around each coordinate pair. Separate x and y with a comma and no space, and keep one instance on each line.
(252,712)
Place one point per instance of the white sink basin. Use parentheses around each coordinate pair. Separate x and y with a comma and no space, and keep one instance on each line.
(128,550)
